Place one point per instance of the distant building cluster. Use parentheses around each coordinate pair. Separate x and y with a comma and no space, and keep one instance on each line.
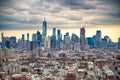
(58,41)
(58,57)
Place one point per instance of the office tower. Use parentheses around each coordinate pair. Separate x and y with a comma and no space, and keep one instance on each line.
(28,36)
(53,42)
(67,41)
(90,42)
(34,43)
(34,37)
(23,41)
(53,39)
(20,44)
(44,28)
(54,32)
(13,42)
(47,42)
(59,38)
(82,38)
(98,39)
(39,38)
(7,42)
(1,58)
(118,43)
(74,38)
(67,38)
(2,39)
(27,43)
(104,43)
(23,37)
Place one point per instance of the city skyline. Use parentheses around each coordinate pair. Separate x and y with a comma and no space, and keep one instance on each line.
(89,33)
(64,14)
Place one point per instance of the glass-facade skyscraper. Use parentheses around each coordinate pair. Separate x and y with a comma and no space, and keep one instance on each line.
(82,38)
(44,28)
(98,39)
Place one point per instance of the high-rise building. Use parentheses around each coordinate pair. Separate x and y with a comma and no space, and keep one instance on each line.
(67,38)
(39,38)
(34,37)
(53,39)
(7,43)
(28,36)
(2,39)
(23,40)
(90,42)
(20,44)
(118,43)
(54,32)
(82,38)
(13,42)
(44,28)
(104,43)
(98,39)
(47,42)
(23,37)
(59,38)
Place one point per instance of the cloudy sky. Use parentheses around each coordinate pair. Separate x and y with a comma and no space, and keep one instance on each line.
(29,14)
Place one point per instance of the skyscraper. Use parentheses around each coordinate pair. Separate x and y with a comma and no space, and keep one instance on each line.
(23,37)
(98,39)
(119,43)
(54,32)
(39,38)
(2,39)
(44,28)
(53,39)
(27,43)
(23,41)
(59,38)
(82,38)
(13,42)
(34,36)
(28,36)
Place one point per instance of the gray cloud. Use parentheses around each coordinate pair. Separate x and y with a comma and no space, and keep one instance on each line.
(28,14)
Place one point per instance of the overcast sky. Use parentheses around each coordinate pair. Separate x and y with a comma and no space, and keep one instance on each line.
(29,14)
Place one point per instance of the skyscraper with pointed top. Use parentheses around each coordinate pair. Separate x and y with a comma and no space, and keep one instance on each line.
(44,28)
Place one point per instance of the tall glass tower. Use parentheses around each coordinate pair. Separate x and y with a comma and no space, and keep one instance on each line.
(44,28)
(98,39)
(82,38)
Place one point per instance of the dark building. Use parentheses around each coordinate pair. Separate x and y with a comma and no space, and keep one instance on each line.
(54,32)
(13,42)
(44,28)
(59,38)
(90,42)
(53,39)
(104,43)
(98,39)
(23,37)
(2,39)
(23,41)
(118,43)
(39,38)
(28,36)
(7,43)
(82,38)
